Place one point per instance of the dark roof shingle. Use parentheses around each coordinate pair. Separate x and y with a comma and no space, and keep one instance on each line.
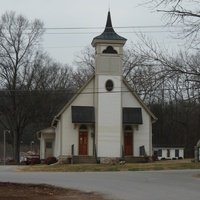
(109,33)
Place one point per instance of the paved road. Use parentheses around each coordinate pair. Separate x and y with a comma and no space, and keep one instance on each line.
(157,185)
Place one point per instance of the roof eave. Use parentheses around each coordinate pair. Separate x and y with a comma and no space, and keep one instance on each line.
(96,41)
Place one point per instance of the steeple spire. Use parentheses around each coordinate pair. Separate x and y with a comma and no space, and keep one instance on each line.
(109,27)
(109,33)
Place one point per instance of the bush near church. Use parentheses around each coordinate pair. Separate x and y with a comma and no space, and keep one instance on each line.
(51,160)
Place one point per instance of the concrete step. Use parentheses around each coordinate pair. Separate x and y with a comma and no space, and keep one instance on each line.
(84,159)
(131,159)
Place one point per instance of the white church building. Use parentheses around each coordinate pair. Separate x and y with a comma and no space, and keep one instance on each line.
(105,119)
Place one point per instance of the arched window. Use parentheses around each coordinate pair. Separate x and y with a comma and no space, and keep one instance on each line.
(110,50)
(128,128)
(83,127)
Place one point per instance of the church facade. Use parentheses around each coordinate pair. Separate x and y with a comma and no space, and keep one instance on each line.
(105,119)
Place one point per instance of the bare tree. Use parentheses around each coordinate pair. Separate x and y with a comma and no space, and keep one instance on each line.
(18,44)
(85,66)
(169,83)
(47,74)
(185,13)
(182,62)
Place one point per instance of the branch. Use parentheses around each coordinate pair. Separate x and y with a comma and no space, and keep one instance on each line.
(180,13)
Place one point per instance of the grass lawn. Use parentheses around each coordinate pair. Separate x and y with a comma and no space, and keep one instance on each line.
(158,165)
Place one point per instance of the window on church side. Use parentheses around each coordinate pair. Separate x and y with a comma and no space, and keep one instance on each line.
(110,50)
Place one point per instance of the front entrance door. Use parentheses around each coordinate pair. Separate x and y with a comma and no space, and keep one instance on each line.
(83,142)
(128,143)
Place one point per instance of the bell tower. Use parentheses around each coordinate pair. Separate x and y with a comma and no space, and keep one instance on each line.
(108,98)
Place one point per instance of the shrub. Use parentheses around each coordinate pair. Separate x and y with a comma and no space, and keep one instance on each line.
(31,160)
(51,160)
(34,161)
(154,157)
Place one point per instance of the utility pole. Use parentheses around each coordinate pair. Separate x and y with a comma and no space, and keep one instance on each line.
(4,145)
(32,143)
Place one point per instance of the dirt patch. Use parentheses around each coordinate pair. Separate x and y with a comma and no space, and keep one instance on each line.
(15,191)
(196,175)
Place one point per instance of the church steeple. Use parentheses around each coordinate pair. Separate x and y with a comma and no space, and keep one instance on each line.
(108,86)
(109,33)
(109,27)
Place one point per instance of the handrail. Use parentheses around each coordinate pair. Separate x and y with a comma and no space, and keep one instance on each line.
(72,154)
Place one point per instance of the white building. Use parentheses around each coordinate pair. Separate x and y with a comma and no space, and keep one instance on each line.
(105,119)
(169,153)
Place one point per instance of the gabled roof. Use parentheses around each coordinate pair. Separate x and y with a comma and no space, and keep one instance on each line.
(109,33)
(46,131)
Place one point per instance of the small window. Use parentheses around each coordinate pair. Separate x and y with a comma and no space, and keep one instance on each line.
(159,153)
(176,152)
(168,153)
(109,85)
(110,50)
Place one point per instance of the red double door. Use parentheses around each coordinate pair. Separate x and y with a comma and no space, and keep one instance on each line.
(83,142)
(128,143)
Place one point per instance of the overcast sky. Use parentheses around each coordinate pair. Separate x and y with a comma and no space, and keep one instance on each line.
(64,45)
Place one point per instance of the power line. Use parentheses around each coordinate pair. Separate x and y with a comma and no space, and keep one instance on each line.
(86,33)
(120,27)
(34,92)
(116,27)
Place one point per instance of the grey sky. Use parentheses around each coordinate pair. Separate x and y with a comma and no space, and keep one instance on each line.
(83,13)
